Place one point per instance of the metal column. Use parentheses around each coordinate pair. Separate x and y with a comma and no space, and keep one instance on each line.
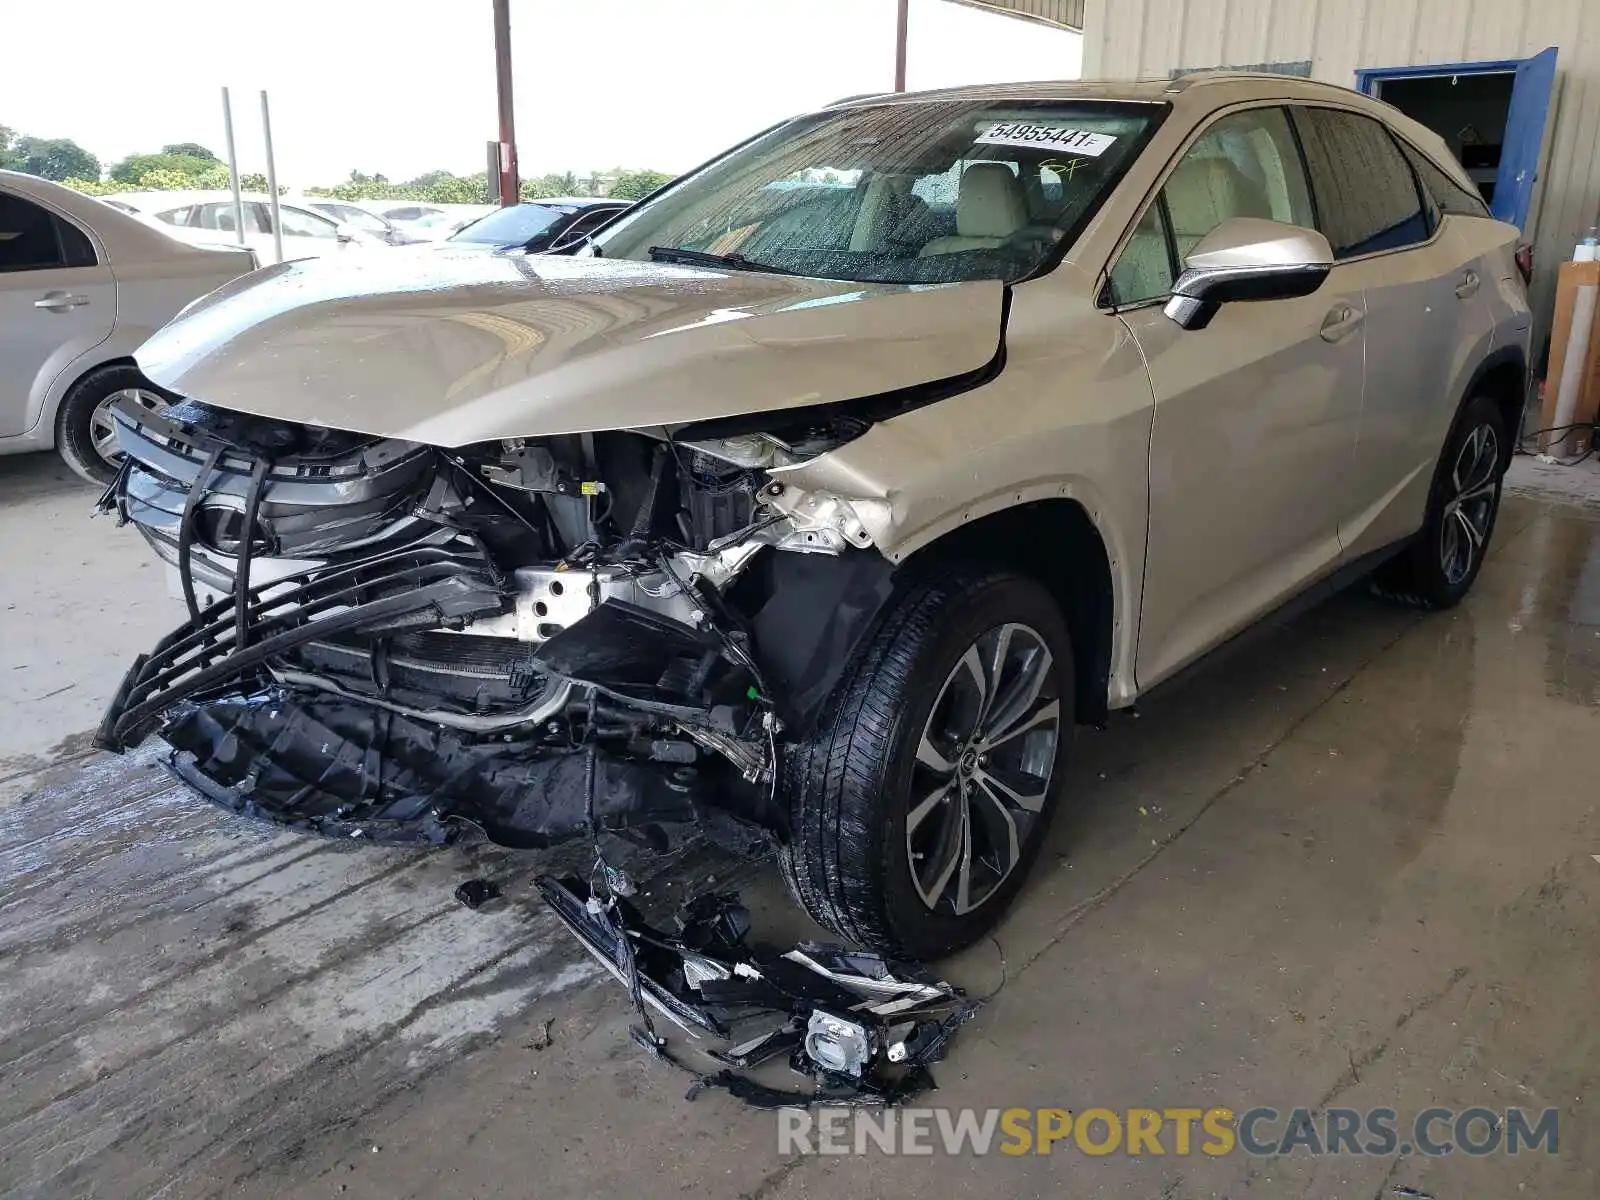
(272,179)
(502,82)
(902,19)
(233,168)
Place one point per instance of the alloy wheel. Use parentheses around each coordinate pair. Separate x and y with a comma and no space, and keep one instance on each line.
(102,430)
(1475,487)
(984,767)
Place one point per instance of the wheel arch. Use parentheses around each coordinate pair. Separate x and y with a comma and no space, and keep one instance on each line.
(1503,376)
(1057,542)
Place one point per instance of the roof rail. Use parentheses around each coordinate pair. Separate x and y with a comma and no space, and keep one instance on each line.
(1182,83)
(860,96)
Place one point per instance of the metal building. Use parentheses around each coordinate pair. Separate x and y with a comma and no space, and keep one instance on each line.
(1524,122)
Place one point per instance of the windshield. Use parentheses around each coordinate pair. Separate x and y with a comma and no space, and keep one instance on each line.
(511,226)
(931,191)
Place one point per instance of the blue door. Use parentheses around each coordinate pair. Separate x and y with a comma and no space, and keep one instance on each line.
(1519,156)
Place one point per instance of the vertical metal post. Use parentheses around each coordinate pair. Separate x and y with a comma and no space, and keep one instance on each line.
(233,168)
(272,178)
(502,86)
(902,19)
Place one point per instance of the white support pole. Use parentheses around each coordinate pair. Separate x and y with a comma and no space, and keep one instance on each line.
(272,179)
(233,168)
(1573,370)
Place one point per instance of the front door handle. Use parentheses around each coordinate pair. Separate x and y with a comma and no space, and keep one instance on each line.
(1342,320)
(1468,287)
(60,301)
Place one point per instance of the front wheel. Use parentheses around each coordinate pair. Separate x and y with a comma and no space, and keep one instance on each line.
(923,798)
(85,436)
(1438,569)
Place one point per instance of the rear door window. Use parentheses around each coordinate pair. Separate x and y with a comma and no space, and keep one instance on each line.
(222,218)
(1367,196)
(299,223)
(34,239)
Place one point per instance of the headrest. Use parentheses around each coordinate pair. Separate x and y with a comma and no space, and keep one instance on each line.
(990,204)
(1204,192)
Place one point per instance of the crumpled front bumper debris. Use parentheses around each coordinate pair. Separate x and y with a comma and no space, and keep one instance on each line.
(861,1029)
(324,765)
(320,759)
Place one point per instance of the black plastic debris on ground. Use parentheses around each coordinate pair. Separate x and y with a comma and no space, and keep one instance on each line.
(475,893)
(861,1029)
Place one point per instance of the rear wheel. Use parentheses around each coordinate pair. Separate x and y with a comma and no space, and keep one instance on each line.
(85,436)
(1438,569)
(923,799)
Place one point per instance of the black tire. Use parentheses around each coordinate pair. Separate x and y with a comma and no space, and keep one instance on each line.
(76,419)
(1429,573)
(850,788)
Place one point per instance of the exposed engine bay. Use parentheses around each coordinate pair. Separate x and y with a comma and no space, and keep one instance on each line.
(539,638)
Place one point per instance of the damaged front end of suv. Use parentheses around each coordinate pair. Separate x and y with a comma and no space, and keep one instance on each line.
(538,636)
(535,637)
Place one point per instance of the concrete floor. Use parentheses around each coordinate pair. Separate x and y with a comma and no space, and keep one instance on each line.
(1352,865)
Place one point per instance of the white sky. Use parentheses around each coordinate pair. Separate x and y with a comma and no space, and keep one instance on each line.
(405,86)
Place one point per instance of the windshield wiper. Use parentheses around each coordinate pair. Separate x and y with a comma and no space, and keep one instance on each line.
(700,258)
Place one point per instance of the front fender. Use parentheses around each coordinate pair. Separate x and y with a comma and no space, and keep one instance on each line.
(1069,418)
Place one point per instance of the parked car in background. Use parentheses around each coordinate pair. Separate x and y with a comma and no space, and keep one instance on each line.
(430,222)
(404,212)
(832,507)
(557,224)
(81,285)
(357,217)
(201,216)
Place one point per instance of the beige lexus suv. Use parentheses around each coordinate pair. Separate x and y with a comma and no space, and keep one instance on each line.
(813,502)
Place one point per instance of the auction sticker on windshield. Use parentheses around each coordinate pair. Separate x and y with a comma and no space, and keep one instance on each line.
(1049,137)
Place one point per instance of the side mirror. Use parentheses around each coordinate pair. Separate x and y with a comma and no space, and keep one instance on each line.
(345,233)
(1247,258)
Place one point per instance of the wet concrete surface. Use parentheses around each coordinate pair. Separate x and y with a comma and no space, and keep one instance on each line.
(1352,865)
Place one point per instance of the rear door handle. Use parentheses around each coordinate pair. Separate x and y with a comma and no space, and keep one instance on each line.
(1468,287)
(60,301)
(1342,320)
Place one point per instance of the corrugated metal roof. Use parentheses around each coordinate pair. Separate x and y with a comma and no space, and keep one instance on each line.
(1065,14)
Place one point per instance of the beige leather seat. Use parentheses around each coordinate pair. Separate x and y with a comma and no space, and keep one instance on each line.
(989,209)
(1205,192)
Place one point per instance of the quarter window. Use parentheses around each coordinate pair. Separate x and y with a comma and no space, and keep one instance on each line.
(1366,194)
(1449,195)
(584,226)
(1244,165)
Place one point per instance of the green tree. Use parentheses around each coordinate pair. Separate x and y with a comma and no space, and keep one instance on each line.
(54,158)
(164,180)
(190,150)
(563,184)
(7,158)
(97,187)
(136,166)
(636,185)
(428,179)
(460,189)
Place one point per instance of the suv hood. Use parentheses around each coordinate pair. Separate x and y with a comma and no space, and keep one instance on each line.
(457,347)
